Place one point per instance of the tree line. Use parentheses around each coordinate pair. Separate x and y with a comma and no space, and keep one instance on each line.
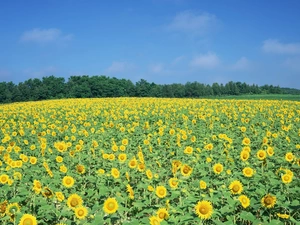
(52,87)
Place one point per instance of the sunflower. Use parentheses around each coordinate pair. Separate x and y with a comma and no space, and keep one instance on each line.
(268,201)
(218,168)
(162,213)
(81,212)
(115,173)
(289,156)
(133,163)
(270,151)
(209,146)
(244,155)
(141,167)
(154,220)
(122,157)
(202,184)
(63,169)
(47,192)
(236,187)
(59,159)
(204,209)
(173,182)
(161,191)
(149,174)
(150,188)
(32,160)
(261,154)
(248,172)
(186,170)
(246,141)
(110,206)
(80,169)
(12,209)
(4,178)
(68,181)
(60,196)
(28,219)
(286,178)
(188,150)
(37,186)
(244,200)
(74,200)
(125,142)
(130,191)
(283,216)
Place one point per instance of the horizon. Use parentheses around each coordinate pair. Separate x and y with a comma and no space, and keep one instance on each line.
(160,41)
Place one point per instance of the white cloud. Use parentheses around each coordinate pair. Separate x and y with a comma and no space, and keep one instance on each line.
(207,61)
(119,67)
(241,64)
(44,35)
(274,46)
(178,60)
(157,68)
(192,23)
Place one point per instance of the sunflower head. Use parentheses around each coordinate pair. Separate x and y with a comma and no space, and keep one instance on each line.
(218,168)
(110,206)
(161,191)
(248,172)
(287,178)
(236,187)
(244,200)
(80,169)
(81,212)
(68,181)
(186,170)
(268,201)
(261,154)
(28,219)
(74,200)
(204,209)
(162,213)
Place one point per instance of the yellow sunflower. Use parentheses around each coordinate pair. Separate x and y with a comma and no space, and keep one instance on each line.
(12,209)
(68,181)
(149,174)
(130,191)
(261,154)
(161,191)
(47,192)
(248,172)
(110,206)
(286,178)
(173,182)
(133,163)
(28,219)
(80,169)
(268,201)
(122,157)
(218,168)
(236,187)
(289,156)
(245,155)
(74,200)
(202,184)
(162,213)
(4,178)
(244,200)
(59,159)
(60,196)
(204,209)
(154,220)
(246,141)
(186,170)
(81,212)
(115,173)
(188,150)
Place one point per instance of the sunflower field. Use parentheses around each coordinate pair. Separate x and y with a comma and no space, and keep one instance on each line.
(150,161)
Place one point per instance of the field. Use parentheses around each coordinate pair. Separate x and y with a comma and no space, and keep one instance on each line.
(150,161)
(287,97)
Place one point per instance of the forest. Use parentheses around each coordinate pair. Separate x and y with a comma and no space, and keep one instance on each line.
(85,86)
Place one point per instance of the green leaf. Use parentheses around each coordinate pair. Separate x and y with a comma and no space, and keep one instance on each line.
(247,216)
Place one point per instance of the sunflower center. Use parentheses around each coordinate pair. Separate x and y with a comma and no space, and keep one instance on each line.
(111,206)
(27,221)
(261,154)
(80,212)
(218,169)
(68,181)
(236,188)
(74,202)
(268,201)
(244,201)
(161,192)
(203,210)
(161,215)
(286,178)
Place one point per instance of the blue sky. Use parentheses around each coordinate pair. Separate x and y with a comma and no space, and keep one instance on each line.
(161,41)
